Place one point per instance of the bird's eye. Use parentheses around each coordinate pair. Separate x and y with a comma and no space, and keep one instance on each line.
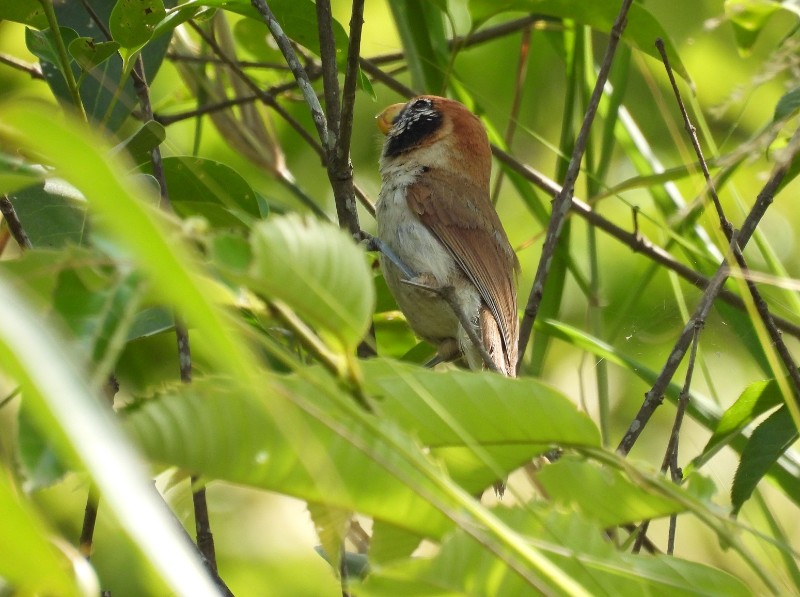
(421,104)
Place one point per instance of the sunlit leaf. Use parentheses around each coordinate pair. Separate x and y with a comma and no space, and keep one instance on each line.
(201,187)
(757,399)
(27,12)
(133,22)
(88,53)
(575,545)
(53,214)
(769,441)
(318,271)
(31,562)
(787,105)
(606,496)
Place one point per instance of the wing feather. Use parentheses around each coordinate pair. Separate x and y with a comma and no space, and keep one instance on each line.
(474,236)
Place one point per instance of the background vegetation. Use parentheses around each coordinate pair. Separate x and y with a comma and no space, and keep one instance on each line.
(164,177)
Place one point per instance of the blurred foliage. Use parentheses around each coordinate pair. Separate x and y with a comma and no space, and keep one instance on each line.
(296,438)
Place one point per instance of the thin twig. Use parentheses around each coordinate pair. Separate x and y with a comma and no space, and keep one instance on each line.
(86,540)
(263,96)
(655,396)
(516,102)
(14,224)
(217,60)
(727,229)
(670,460)
(205,540)
(563,201)
(635,240)
(300,74)
(32,69)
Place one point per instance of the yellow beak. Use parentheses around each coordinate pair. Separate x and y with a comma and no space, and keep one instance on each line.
(386,118)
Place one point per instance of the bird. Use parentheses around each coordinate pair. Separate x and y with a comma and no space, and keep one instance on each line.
(435,215)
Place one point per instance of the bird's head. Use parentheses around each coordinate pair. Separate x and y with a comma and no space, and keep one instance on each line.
(435,132)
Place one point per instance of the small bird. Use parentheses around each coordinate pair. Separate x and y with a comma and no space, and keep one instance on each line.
(434,212)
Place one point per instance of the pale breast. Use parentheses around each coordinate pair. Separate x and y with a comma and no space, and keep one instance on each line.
(429,316)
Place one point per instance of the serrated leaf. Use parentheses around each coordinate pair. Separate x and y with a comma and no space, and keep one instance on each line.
(641,31)
(769,440)
(318,271)
(213,190)
(89,53)
(133,22)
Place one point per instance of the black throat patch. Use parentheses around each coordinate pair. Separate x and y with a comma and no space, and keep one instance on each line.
(417,120)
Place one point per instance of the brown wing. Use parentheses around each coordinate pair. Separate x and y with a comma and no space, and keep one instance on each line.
(464,220)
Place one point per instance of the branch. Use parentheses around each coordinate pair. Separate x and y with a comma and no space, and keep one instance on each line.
(298,71)
(655,396)
(32,69)
(563,201)
(14,224)
(727,229)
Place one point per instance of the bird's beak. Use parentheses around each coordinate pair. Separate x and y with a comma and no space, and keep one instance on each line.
(386,118)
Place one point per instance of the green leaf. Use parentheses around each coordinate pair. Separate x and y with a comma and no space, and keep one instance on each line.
(641,31)
(133,22)
(53,214)
(82,427)
(769,441)
(749,17)
(30,562)
(757,399)
(97,310)
(606,496)
(100,86)
(88,53)
(574,545)
(297,18)
(16,173)
(148,136)
(292,440)
(41,466)
(332,525)
(701,409)
(479,426)
(787,105)
(27,12)
(318,271)
(150,322)
(201,187)
(42,44)
(421,27)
